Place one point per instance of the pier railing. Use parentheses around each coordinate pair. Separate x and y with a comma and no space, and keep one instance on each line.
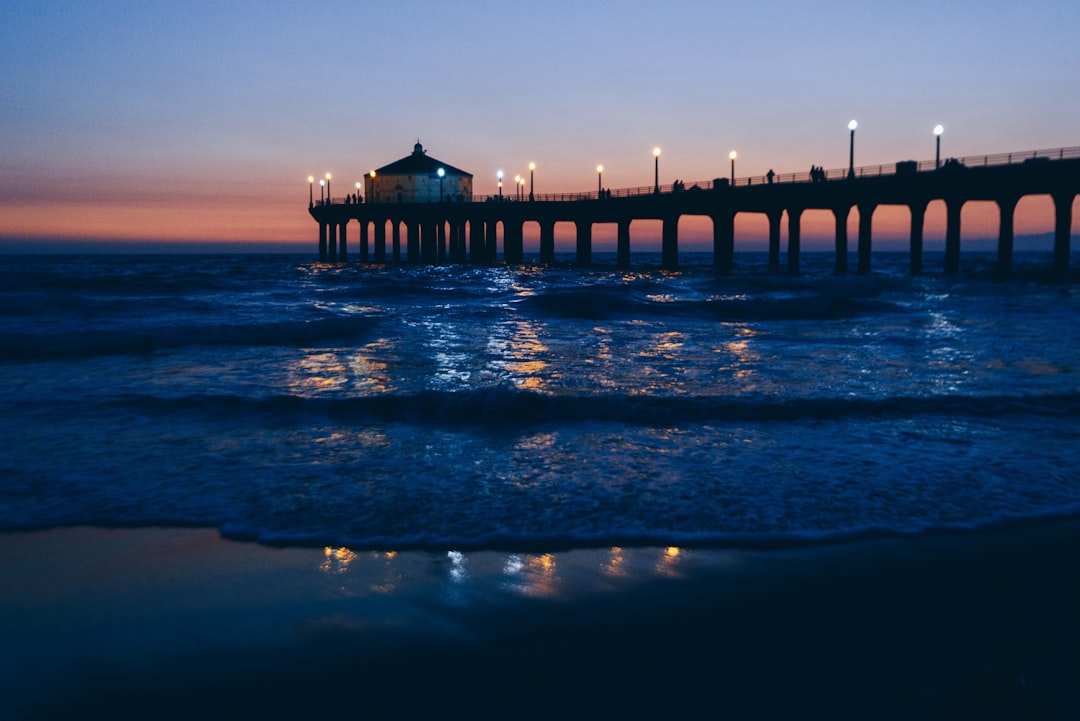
(865,171)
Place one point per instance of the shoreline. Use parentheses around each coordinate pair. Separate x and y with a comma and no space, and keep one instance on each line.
(167,622)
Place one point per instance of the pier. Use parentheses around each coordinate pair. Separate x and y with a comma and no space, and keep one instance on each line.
(466,230)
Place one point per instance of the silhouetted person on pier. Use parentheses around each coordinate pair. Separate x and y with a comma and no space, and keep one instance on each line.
(770,175)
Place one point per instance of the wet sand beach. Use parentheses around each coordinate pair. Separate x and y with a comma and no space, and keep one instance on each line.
(179,623)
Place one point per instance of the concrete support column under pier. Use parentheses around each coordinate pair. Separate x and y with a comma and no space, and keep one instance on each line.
(1006,213)
(428,241)
(513,242)
(953,207)
(918,221)
(413,242)
(331,243)
(793,240)
(477,254)
(363,240)
(584,242)
(774,239)
(866,226)
(724,241)
(622,248)
(458,253)
(547,241)
(440,235)
(841,216)
(343,243)
(380,240)
(395,239)
(669,251)
(322,242)
(1062,228)
(491,251)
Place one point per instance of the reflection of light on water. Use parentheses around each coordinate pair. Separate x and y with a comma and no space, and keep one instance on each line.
(664,345)
(743,358)
(536,442)
(518,352)
(451,363)
(603,344)
(369,373)
(599,359)
(318,372)
(332,370)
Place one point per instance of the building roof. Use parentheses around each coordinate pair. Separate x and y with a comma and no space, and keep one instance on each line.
(419,163)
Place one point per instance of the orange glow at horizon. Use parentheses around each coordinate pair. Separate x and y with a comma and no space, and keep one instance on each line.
(280,216)
(165,221)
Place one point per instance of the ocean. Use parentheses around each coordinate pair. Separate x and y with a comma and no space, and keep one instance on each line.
(455,408)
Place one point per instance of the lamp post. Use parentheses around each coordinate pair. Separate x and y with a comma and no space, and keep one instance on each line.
(499,175)
(732,155)
(311,190)
(599,180)
(656,172)
(521,188)
(440,172)
(373,196)
(358,184)
(322,184)
(938,130)
(517,187)
(851,153)
(532,170)
(329,201)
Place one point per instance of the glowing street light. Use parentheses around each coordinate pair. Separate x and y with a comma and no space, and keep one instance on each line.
(599,179)
(358,185)
(517,186)
(328,201)
(532,170)
(311,190)
(851,154)
(521,188)
(372,196)
(322,184)
(938,130)
(656,176)
(732,155)
(499,175)
(440,172)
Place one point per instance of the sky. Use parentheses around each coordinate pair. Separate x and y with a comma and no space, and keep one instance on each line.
(201,121)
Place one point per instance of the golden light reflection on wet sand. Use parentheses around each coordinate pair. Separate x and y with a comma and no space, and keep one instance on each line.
(461,575)
(668,563)
(615,565)
(336,560)
(531,575)
(377,568)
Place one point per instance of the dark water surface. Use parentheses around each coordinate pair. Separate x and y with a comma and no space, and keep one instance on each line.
(458,407)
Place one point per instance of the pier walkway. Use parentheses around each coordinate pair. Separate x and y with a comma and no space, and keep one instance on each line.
(468,231)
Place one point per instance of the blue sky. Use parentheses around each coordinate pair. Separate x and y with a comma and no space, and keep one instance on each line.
(202,120)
